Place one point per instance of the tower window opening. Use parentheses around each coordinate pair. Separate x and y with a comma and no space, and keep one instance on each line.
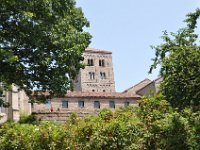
(90,62)
(102,63)
(91,75)
(103,75)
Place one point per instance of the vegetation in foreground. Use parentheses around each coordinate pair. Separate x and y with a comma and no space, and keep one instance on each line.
(170,121)
(152,125)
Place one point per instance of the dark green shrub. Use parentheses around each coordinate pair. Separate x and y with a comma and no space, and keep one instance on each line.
(27,119)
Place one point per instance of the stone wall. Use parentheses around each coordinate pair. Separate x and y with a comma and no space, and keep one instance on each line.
(19,103)
(56,104)
(59,116)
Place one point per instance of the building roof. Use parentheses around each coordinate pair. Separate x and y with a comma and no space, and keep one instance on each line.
(141,85)
(79,94)
(102,95)
(93,50)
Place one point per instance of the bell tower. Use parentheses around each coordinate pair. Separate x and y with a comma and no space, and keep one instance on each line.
(98,75)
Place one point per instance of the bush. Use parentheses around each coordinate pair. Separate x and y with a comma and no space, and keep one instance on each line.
(105,114)
(27,119)
(152,125)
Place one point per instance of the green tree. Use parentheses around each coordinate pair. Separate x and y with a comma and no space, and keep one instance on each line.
(179,58)
(41,44)
(165,127)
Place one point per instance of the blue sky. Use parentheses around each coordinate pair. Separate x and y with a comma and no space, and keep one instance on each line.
(129,27)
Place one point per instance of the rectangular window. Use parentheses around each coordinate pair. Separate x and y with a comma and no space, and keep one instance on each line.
(126,104)
(112,104)
(96,104)
(64,104)
(81,104)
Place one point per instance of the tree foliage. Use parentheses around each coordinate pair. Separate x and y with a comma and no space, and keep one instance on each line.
(179,58)
(41,44)
(151,126)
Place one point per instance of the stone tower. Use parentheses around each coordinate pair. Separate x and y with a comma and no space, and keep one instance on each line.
(98,75)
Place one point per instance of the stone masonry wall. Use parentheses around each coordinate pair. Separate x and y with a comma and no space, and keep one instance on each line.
(59,116)
(56,104)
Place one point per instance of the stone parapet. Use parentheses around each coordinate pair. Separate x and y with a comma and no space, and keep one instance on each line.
(60,116)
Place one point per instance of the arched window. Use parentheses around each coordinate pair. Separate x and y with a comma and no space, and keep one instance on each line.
(91,75)
(103,75)
(101,63)
(90,62)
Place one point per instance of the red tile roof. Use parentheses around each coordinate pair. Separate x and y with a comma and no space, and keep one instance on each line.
(93,50)
(102,95)
(79,94)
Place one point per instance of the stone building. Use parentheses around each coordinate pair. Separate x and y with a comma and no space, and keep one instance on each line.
(142,88)
(94,88)
(87,102)
(98,75)
(83,103)
(19,103)
(145,87)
